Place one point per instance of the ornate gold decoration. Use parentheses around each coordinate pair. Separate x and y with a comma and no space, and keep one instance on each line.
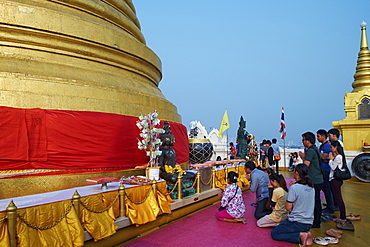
(11,214)
(199,140)
(179,183)
(362,76)
(354,129)
(14,187)
(122,206)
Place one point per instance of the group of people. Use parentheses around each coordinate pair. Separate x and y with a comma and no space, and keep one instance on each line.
(293,160)
(293,213)
(270,154)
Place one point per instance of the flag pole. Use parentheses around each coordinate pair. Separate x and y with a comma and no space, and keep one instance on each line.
(227,142)
(283,132)
(227,135)
(225,125)
(284,154)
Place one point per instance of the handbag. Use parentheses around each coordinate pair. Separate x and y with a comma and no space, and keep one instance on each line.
(223,208)
(342,175)
(277,157)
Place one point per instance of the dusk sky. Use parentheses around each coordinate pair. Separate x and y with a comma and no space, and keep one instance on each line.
(255,57)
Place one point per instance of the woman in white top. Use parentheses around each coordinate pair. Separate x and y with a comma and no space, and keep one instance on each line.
(338,159)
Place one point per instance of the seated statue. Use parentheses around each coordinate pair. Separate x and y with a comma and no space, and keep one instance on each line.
(168,157)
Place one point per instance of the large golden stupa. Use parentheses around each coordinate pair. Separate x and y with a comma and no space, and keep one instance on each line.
(74,77)
(78,55)
(355,128)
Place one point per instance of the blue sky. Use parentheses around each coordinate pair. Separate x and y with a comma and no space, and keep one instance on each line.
(254,57)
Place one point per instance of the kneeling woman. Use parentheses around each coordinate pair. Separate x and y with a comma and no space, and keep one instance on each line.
(278,201)
(232,201)
(300,202)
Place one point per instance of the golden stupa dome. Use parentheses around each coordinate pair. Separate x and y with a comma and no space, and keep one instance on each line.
(78,55)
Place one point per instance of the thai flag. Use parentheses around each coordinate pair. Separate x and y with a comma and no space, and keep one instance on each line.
(282,125)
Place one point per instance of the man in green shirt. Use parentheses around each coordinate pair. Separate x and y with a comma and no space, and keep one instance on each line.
(311,158)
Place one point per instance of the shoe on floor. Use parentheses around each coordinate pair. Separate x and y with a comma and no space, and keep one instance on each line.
(337,231)
(336,219)
(327,210)
(329,216)
(345,225)
(331,240)
(333,233)
(320,241)
(353,217)
(325,219)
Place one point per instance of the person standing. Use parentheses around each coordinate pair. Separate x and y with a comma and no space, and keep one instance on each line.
(263,154)
(259,184)
(300,203)
(311,158)
(277,156)
(334,135)
(232,152)
(270,154)
(321,136)
(237,150)
(291,162)
(337,160)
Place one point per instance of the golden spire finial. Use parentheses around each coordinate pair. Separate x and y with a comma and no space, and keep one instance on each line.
(362,76)
(363,36)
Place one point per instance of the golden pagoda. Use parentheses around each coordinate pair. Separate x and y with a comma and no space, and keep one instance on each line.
(355,128)
(74,78)
(78,55)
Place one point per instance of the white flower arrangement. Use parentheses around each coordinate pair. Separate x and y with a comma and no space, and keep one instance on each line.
(150,134)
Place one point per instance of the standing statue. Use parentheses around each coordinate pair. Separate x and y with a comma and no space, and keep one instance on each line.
(242,138)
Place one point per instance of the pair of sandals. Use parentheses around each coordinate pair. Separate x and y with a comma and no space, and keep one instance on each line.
(325,240)
(334,233)
(353,217)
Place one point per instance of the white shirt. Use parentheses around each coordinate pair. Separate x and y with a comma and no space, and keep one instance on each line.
(337,161)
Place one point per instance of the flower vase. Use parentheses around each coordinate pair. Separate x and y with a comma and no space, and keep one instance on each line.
(152,172)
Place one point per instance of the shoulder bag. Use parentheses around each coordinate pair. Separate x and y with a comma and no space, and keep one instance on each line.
(342,175)
(222,208)
(277,157)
